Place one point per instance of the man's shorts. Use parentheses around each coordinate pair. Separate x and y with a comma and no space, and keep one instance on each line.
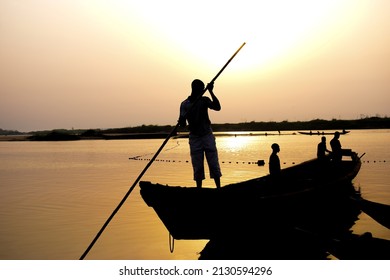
(199,147)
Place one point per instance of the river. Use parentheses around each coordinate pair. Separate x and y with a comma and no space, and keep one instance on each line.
(55,196)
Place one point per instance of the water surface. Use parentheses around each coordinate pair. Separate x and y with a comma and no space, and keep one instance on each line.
(55,196)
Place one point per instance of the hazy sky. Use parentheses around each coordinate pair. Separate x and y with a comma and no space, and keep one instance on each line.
(100,64)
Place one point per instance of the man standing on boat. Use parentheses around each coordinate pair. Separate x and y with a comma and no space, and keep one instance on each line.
(194,110)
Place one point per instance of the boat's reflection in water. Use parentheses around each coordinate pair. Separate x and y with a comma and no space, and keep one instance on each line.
(321,230)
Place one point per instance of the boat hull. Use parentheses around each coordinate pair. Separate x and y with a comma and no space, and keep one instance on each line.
(309,195)
(322,133)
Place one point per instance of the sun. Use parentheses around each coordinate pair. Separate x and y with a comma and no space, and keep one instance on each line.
(207,32)
(211,30)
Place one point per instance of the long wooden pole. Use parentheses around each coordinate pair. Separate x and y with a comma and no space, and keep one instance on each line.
(147,167)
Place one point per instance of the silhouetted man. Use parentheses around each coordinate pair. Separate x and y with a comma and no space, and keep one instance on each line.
(336,147)
(322,149)
(194,110)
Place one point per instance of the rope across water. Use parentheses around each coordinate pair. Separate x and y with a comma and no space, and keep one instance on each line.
(258,162)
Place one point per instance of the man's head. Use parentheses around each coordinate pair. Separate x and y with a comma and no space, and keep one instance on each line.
(275,147)
(197,87)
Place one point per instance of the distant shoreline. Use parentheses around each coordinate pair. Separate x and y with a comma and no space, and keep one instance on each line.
(133,136)
(317,127)
(14,137)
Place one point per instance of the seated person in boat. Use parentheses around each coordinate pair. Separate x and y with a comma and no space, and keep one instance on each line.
(274,162)
(322,149)
(194,110)
(337,152)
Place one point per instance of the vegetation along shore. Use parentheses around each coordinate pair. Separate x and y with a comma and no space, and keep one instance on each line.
(162,131)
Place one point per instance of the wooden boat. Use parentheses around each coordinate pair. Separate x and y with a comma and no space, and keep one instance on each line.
(377,211)
(322,133)
(297,245)
(311,195)
(361,247)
